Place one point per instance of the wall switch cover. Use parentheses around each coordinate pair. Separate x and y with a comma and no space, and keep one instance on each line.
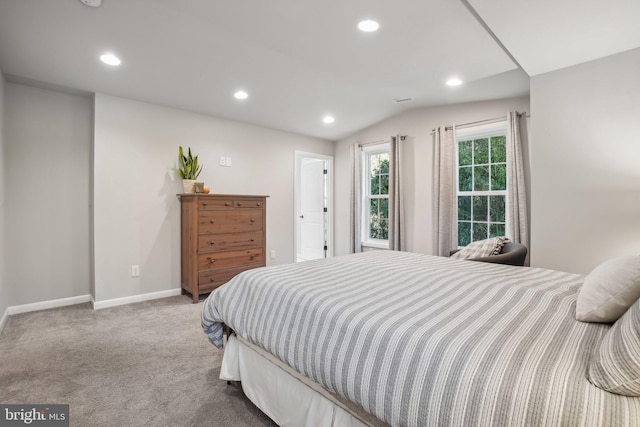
(229,161)
(223,161)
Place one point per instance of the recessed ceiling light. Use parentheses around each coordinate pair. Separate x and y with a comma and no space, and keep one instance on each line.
(328,119)
(368,25)
(110,59)
(241,95)
(454,81)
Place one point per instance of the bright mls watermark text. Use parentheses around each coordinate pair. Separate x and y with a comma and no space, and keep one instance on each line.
(34,415)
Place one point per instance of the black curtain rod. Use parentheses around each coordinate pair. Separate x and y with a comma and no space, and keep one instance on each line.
(382,141)
(481,122)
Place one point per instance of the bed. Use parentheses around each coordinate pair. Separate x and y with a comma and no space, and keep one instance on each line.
(404,339)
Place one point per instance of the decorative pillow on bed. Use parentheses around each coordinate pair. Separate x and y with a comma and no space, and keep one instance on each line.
(609,290)
(615,366)
(481,248)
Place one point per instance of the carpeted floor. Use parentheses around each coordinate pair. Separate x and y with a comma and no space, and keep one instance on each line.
(145,364)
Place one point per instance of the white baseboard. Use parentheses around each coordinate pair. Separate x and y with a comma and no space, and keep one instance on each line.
(98,305)
(43,305)
(3,320)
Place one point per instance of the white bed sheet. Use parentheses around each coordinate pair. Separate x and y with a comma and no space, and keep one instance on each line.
(278,393)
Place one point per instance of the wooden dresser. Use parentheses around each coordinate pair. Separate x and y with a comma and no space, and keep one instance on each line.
(221,236)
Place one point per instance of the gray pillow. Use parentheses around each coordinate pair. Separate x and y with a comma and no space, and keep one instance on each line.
(481,248)
(615,366)
(609,290)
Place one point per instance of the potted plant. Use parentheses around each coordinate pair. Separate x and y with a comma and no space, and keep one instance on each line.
(188,170)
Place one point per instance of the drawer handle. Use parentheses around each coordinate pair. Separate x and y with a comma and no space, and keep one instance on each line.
(213,280)
(211,260)
(239,204)
(252,220)
(259,204)
(253,240)
(212,221)
(212,242)
(253,256)
(227,204)
(204,203)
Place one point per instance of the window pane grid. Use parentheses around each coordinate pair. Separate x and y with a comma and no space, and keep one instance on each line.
(481,188)
(377,195)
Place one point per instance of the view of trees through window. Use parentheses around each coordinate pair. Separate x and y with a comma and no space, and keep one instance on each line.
(482,184)
(378,195)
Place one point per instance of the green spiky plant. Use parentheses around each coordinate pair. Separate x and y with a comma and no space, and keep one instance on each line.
(189,168)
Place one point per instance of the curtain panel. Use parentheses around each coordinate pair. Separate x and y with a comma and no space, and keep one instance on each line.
(445,229)
(517,214)
(355,225)
(396,195)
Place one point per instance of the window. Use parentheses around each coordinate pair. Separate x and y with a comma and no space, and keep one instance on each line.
(376,196)
(481,183)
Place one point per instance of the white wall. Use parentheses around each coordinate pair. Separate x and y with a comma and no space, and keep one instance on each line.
(585,163)
(137,216)
(47,136)
(4,291)
(417,125)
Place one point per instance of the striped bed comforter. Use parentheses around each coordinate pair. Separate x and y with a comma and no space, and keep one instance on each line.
(419,340)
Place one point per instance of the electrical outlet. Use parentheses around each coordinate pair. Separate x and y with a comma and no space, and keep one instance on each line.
(273,254)
(135,271)
(229,161)
(223,161)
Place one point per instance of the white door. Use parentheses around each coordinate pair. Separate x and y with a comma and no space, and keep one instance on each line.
(312,222)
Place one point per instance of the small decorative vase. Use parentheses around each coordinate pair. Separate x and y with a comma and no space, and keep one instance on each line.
(188,185)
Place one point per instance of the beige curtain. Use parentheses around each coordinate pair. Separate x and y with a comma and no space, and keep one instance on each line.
(445,229)
(356,199)
(396,196)
(517,219)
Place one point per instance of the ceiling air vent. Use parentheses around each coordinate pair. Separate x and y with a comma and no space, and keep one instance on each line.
(399,100)
(92,3)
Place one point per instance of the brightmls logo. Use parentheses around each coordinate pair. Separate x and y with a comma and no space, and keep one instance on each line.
(35,415)
(28,417)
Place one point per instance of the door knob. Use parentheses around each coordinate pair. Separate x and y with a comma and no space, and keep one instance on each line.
(301,216)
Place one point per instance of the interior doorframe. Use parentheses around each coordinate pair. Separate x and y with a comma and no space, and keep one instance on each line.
(299,155)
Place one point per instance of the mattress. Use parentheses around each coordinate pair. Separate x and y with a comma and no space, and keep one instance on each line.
(418,340)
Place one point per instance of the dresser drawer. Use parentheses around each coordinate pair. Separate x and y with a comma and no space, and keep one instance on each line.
(230,259)
(235,221)
(226,242)
(209,280)
(214,204)
(249,203)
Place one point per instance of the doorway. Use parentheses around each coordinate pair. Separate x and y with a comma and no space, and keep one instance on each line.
(313,210)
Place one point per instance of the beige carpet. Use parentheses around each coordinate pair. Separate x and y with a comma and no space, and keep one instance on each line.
(145,364)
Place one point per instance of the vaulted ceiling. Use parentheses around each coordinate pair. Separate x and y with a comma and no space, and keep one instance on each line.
(301,60)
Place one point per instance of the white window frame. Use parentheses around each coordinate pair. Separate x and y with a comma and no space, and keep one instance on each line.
(367,152)
(472,133)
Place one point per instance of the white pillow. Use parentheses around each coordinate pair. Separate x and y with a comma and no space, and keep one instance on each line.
(609,290)
(481,248)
